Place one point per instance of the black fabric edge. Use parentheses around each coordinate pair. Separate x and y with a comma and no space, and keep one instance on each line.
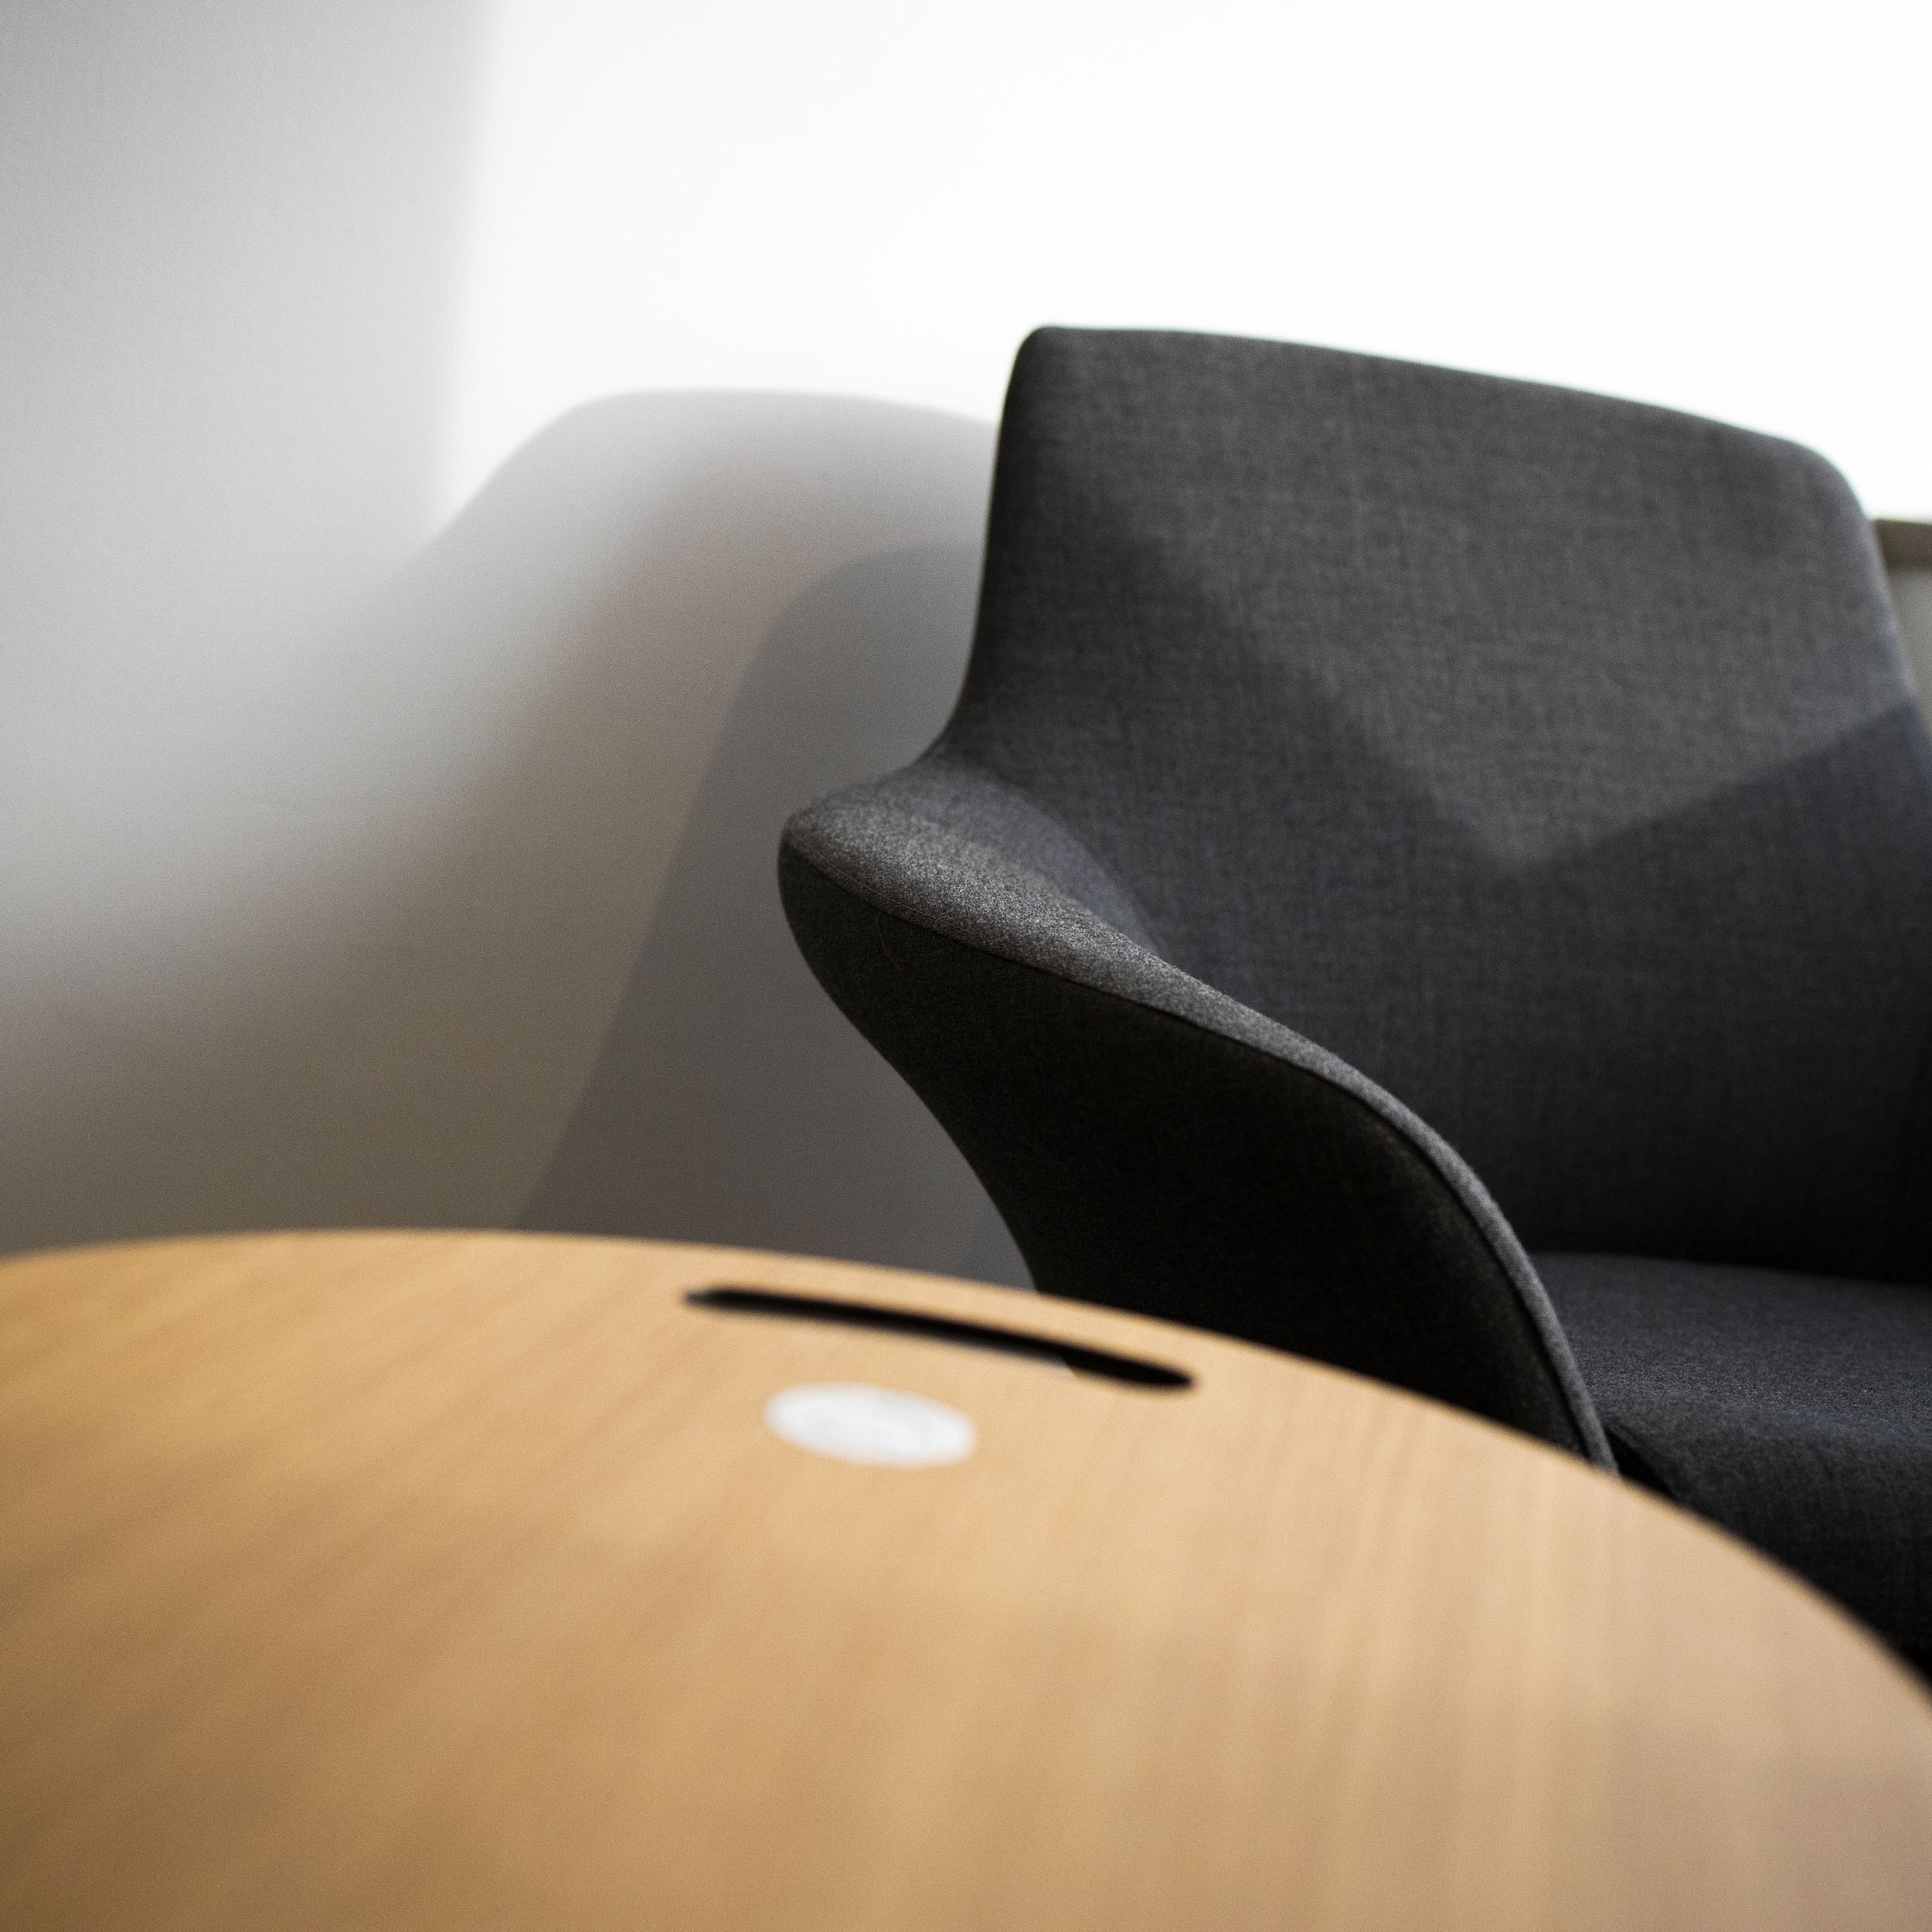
(798,841)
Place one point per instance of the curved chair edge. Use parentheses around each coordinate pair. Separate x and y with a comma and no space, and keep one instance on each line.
(883,844)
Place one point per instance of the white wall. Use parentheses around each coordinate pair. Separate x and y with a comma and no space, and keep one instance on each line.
(465,471)
(1714,204)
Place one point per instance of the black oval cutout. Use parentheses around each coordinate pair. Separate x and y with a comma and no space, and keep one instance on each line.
(936,1328)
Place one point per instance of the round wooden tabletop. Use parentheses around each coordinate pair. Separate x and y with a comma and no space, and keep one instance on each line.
(448,1581)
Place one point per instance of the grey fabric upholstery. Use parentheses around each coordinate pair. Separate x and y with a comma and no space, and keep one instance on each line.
(1152,1144)
(1795,1410)
(1406,746)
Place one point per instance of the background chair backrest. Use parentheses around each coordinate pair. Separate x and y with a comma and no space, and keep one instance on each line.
(1550,757)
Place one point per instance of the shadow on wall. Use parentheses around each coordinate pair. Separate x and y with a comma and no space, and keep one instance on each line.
(400,893)
(759,1073)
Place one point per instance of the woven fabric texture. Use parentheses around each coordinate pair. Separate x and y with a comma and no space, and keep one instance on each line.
(1793,1410)
(1550,759)
(1395,817)
(1152,1144)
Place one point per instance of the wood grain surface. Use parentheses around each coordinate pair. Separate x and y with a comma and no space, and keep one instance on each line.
(441,1581)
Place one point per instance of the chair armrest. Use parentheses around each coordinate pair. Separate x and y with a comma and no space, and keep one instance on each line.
(1152,1144)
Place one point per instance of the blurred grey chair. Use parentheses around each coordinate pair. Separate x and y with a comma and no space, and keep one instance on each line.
(1370,777)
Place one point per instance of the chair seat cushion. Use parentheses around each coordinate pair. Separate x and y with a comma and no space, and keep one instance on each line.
(1794,1410)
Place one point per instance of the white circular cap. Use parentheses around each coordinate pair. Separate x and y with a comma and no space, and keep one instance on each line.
(881,1427)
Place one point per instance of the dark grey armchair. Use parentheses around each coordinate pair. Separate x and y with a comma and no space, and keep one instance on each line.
(1370,777)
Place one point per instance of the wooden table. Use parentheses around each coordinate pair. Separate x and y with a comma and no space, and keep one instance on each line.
(459,1581)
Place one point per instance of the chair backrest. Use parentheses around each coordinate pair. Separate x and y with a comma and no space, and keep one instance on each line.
(1552,759)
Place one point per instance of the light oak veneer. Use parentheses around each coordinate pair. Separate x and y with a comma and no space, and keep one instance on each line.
(451,1581)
